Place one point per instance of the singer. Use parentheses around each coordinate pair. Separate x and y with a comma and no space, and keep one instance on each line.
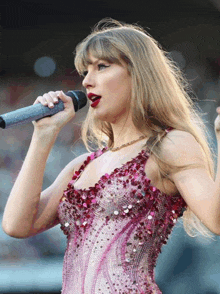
(117,205)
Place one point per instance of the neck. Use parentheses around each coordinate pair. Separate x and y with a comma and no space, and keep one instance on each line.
(125,134)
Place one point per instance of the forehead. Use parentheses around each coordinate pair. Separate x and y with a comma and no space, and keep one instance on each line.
(90,55)
(93,60)
(94,52)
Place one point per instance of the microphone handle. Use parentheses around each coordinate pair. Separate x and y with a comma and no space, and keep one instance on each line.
(38,111)
(28,114)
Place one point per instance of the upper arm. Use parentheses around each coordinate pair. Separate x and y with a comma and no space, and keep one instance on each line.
(194,182)
(47,210)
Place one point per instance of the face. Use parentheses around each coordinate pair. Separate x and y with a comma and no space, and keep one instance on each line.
(113,83)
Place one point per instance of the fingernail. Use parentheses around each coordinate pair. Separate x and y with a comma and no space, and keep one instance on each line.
(51,104)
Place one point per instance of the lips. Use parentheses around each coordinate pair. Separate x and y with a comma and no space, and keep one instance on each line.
(93,97)
(96,102)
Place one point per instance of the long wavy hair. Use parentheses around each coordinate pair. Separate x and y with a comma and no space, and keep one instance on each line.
(160,96)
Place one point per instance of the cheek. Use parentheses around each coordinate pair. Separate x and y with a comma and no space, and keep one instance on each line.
(120,86)
(125,90)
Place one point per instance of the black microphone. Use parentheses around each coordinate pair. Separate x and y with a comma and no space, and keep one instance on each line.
(38,111)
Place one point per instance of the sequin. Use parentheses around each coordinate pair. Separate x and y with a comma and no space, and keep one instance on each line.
(115,230)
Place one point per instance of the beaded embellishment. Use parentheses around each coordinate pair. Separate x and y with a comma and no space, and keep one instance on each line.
(115,230)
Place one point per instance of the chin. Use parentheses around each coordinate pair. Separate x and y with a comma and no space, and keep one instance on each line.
(102,116)
(111,118)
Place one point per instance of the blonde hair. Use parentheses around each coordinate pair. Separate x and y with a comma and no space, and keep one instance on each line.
(159,97)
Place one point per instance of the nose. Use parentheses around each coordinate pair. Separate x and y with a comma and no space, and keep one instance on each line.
(89,80)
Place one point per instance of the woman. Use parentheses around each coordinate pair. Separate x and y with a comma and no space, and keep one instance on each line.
(121,202)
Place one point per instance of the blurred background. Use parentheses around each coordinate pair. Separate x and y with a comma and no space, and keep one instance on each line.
(38,38)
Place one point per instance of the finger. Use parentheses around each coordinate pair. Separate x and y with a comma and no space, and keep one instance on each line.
(54,96)
(218,110)
(49,100)
(63,97)
(41,100)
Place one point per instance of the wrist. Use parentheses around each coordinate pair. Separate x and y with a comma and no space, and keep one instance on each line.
(45,136)
(217,134)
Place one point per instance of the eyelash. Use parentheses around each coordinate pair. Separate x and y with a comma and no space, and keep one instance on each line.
(100,65)
(84,74)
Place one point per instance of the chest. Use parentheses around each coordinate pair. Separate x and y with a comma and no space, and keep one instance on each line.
(107,164)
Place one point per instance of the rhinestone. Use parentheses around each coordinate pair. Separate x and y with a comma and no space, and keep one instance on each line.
(81,206)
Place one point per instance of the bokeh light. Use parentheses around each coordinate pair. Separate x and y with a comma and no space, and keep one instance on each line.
(44,66)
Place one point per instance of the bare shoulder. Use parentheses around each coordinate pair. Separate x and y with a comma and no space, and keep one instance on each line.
(176,138)
(66,174)
(181,148)
(78,161)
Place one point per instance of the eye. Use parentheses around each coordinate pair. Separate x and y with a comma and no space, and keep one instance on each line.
(84,73)
(102,66)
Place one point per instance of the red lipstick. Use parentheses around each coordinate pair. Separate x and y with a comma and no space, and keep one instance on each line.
(96,102)
(94,98)
(90,95)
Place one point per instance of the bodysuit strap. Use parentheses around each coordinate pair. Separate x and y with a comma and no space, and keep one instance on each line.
(166,132)
(168,129)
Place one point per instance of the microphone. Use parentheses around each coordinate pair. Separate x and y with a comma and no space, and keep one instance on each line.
(38,111)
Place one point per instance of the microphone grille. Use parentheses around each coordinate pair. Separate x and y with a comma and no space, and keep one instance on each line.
(79,99)
(2,123)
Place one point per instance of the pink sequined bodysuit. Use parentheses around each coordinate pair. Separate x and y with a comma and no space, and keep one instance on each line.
(115,230)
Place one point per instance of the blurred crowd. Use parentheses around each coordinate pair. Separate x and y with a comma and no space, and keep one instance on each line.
(20,91)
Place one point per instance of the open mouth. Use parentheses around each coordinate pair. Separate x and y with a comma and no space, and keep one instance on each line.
(96,98)
(95,101)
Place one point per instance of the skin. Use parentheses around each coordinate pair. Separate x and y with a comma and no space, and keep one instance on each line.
(112,82)
(36,211)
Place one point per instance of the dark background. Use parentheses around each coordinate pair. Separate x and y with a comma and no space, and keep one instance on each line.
(30,30)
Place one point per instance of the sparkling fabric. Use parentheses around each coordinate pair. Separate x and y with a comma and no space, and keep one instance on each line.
(115,230)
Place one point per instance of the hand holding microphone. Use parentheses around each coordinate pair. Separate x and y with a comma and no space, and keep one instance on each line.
(54,103)
(68,104)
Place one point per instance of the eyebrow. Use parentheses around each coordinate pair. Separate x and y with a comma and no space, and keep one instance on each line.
(95,62)
(90,62)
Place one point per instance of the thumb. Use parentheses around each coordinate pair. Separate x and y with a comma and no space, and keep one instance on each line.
(63,97)
(67,101)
